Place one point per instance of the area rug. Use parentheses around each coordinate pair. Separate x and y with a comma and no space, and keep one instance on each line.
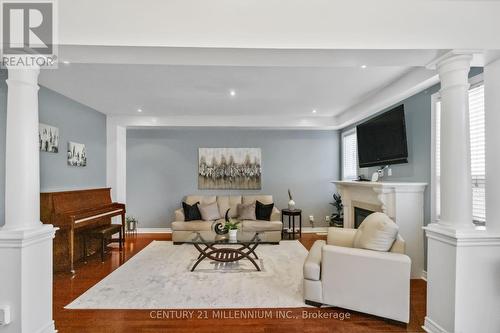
(159,277)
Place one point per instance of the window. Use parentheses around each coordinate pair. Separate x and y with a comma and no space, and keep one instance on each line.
(478,156)
(349,155)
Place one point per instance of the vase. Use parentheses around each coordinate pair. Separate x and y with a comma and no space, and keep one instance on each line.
(291,205)
(232,234)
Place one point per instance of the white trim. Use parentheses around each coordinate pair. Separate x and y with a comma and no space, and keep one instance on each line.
(431,327)
(434,99)
(154,230)
(314,230)
(424,275)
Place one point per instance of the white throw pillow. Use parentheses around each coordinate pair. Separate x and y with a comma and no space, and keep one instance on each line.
(377,232)
(209,212)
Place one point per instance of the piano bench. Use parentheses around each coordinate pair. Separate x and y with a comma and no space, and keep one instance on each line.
(104,234)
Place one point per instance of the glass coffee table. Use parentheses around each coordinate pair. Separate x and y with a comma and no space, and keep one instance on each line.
(223,249)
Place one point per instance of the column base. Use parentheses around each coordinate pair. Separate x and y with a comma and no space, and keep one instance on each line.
(462,279)
(26,254)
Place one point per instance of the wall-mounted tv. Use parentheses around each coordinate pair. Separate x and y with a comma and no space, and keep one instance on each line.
(382,139)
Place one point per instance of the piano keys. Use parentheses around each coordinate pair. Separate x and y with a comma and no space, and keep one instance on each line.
(73,212)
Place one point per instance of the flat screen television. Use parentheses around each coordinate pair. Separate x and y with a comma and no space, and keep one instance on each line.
(382,140)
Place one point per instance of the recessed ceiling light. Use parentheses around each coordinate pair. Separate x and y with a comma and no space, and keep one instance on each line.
(363,66)
(139,110)
(232,93)
(314,111)
(66,62)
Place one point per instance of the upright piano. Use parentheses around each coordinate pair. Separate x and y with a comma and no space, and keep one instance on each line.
(73,212)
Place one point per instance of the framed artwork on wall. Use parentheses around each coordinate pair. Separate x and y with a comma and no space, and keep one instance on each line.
(229,168)
(77,154)
(48,138)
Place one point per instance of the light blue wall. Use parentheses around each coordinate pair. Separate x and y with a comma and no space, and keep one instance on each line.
(76,122)
(162,167)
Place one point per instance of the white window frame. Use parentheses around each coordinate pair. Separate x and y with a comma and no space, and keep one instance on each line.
(473,81)
(352,131)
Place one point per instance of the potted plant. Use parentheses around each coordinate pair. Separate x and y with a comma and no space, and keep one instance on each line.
(131,223)
(337,218)
(232,227)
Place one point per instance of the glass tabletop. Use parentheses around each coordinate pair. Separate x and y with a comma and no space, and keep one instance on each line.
(210,237)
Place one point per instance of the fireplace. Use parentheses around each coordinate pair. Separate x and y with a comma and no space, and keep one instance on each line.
(359,215)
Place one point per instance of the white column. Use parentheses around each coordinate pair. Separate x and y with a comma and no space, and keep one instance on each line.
(456,183)
(25,243)
(462,261)
(116,162)
(22,166)
(492,120)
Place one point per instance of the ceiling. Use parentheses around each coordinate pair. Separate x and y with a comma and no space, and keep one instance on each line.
(166,90)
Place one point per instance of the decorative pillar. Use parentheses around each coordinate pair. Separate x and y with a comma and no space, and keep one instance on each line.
(462,261)
(25,243)
(492,122)
(116,162)
(456,180)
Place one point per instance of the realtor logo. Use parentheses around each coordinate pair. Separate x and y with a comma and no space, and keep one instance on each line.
(28,34)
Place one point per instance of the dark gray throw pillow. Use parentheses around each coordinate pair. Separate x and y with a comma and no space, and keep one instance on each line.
(263,212)
(191,212)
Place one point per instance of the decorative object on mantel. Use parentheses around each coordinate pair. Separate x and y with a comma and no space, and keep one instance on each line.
(77,154)
(229,168)
(131,223)
(291,203)
(337,218)
(48,138)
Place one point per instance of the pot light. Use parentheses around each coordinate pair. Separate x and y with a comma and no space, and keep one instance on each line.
(139,110)
(232,93)
(314,111)
(363,66)
(66,62)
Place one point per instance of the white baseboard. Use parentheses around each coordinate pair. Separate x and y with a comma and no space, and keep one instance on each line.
(154,230)
(314,230)
(431,327)
(424,276)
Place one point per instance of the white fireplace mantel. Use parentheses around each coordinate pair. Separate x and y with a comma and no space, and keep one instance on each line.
(402,201)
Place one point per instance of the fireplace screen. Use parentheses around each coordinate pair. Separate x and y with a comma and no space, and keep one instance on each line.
(359,216)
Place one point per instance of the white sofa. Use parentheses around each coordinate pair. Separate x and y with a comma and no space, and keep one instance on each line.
(361,280)
(182,228)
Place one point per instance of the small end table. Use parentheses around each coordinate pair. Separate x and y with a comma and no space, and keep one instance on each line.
(291,213)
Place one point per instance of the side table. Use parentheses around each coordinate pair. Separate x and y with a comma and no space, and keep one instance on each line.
(291,231)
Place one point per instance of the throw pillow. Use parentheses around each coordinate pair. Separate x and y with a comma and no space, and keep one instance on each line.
(210,212)
(191,212)
(263,212)
(246,211)
(377,232)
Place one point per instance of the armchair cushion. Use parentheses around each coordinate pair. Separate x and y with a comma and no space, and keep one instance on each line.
(341,236)
(377,232)
(312,265)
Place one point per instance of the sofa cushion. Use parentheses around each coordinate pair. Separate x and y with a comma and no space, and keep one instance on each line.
(229,202)
(265,199)
(209,212)
(263,212)
(198,225)
(259,225)
(377,232)
(246,211)
(202,199)
(191,211)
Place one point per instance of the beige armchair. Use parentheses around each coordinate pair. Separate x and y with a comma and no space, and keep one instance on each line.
(374,282)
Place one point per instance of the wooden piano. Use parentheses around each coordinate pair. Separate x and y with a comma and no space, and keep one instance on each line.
(73,212)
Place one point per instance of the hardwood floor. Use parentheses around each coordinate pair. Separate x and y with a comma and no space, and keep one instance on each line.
(67,288)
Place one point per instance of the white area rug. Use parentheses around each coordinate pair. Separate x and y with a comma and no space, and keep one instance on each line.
(159,277)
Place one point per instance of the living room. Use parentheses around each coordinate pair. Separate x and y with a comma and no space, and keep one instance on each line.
(251,181)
